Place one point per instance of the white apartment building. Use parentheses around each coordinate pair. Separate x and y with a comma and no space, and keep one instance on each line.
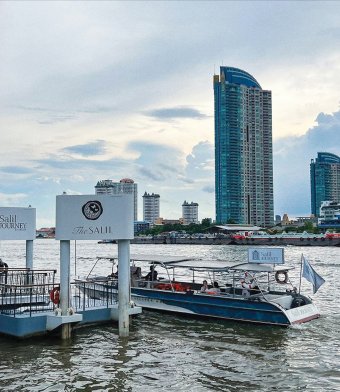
(329,213)
(150,207)
(189,212)
(125,185)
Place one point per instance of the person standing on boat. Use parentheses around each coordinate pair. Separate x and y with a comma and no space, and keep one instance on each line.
(205,287)
(247,285)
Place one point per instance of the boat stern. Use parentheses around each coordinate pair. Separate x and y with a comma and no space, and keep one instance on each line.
(302,314)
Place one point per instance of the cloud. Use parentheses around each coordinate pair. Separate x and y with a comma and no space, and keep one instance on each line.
(9,200)
(180,112)
(208,189)
(16,170)
(292,158)
(90,149)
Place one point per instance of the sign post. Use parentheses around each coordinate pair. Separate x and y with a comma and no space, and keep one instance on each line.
(19,223)
(96,217)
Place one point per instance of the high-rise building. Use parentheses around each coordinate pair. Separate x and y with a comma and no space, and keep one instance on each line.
(324,180)
(189,212)
(125,185)
(150,207)
(243,149)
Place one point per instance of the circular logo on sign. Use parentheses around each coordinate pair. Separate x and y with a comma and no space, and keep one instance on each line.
(92,209)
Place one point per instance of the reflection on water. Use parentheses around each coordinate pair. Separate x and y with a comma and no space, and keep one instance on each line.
(185,354)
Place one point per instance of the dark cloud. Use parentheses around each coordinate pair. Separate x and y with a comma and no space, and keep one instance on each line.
(152,175)
(200,160)
(179,112)
(157,161)
(208,189)
(292,156)
(16,170)
(90,149)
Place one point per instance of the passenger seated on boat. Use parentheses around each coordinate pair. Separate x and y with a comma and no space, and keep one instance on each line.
(152,275)
(215,289)
(205,287)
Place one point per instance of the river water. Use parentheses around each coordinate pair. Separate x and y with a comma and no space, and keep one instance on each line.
(167,352)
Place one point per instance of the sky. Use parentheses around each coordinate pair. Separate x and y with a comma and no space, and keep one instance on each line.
(109,90)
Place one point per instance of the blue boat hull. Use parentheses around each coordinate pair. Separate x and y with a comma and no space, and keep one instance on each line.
(211,306)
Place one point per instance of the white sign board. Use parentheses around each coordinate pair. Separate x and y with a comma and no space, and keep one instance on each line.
(266,255)
(94,217)
(17,223)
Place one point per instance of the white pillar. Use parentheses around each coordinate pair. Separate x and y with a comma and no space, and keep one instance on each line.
(65,285)
(123,286)
(29,254)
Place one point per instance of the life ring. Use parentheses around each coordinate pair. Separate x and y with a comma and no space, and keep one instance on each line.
(281,277)
(55,295)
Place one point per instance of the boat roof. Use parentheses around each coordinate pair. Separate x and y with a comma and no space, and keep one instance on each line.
(211,265)
(157,259)
(257,267)
(199,264)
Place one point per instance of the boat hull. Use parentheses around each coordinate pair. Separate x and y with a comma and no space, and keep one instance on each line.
(217,306)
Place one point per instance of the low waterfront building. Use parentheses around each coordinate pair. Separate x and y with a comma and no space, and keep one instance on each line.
(189,213)
(329,215)
(141,226)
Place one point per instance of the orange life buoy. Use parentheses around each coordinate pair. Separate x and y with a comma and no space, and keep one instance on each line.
(55,295)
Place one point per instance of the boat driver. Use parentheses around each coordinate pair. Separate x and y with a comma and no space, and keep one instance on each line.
(152,275)
(3,266)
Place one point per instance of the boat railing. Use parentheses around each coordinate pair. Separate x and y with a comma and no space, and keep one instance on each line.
(93,294)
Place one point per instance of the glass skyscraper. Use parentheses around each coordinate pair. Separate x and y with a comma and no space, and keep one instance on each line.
(324,180)
(243,149)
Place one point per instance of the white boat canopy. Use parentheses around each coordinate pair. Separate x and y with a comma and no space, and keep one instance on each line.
(211,265)
(157,259)
(257,267)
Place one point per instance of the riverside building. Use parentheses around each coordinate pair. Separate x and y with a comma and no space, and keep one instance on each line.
(125,185)
(150,207)
(189,213)
(243,149)
(324,180)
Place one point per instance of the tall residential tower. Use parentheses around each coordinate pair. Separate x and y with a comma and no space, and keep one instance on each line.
(150,207)
(243,149)
(324,180)
(125,185)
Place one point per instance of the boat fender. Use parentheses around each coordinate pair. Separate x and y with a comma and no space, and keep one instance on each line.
(55,295)
(281,277)
(57,311)
(132,304)
(70,311)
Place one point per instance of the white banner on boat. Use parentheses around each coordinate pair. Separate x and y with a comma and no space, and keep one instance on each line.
(94,217)
(17,223)
(266,255)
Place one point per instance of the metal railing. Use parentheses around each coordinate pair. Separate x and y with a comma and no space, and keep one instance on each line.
(27,292)
(24,291)
(88,294)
